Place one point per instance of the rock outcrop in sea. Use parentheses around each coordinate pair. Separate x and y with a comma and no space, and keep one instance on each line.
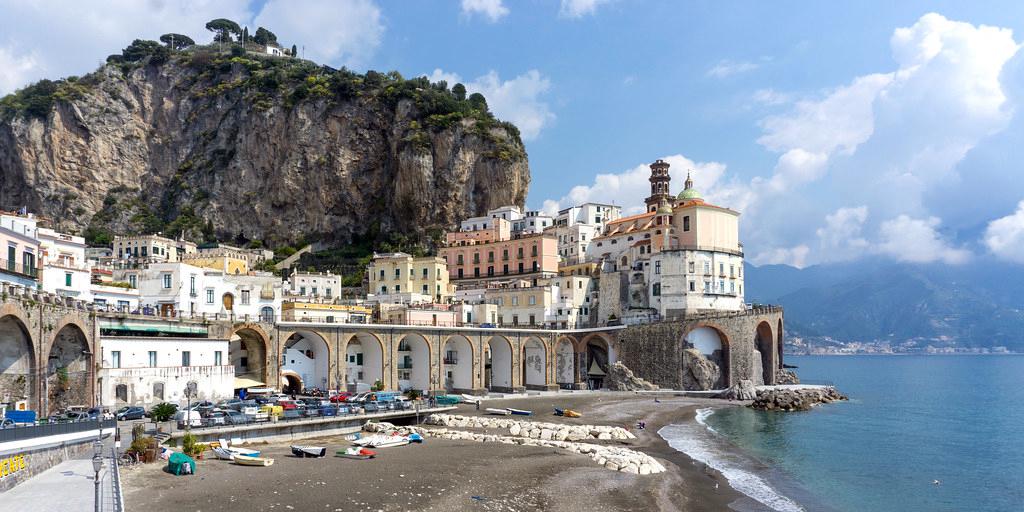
(795,399)
(234,145)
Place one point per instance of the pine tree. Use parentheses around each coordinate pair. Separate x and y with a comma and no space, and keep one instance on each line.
(295,51)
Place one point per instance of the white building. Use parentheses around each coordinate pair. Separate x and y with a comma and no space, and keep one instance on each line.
(532,222)
(125,300)
(314,285)
(577,226)
(148,370)
(151,248)
(521,223)
(180,289)
(65,271)
(254,296)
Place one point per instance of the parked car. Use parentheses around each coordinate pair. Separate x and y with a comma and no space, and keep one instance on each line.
(193,418)
(7,423)
(340,397)
(131,413)
(235,404)
(371,407)
(215,418)
(235,418)
(288,404)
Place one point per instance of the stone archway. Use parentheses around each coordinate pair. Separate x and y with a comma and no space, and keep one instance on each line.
(247,351)
(364,360)
(706,358)
(68,372)
(498,364)
(565,363)
(535,363)
(597,360)
(413,363)
(457,364)
(764,352)
(293,384)
(17,362)
(307,355)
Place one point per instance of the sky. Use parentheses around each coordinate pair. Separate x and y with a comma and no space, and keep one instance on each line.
(842,131)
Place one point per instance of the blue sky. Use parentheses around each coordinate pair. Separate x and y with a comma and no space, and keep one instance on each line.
(841,130)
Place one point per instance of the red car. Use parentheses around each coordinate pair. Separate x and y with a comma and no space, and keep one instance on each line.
(340,397)
(287,405)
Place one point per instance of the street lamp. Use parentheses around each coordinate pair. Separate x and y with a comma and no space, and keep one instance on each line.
(97,465)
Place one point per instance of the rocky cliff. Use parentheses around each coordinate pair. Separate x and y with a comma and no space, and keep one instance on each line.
(231,145)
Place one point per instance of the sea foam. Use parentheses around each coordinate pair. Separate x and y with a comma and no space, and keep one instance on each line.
(700,443)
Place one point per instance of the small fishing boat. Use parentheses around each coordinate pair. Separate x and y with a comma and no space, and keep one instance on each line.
(226,452)
(382,441)
(470,398)
(559,412)
(253,461)
(223,453)
(415,438)
(308,451)
(520,412)
(499,412)
(569,413)
(356,453)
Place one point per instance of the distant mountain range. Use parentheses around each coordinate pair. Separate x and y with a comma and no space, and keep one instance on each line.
(877,306)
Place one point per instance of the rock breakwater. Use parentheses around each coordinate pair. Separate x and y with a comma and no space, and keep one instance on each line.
(795,398)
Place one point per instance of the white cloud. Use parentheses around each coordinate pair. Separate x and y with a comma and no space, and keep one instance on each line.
(332,32)
(16,68)
(917,241)
(840,238)
(771,97)
(726,68)
(1005,236)
(579,8)
(493,10)
(518,100)
(630,187)
(797,166)
(795,256)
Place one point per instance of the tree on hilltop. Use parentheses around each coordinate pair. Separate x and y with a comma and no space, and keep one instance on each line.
(245,35)
(140,49)
(223,29)
(478,102)
(176,41)
(264,36)
(459,91)
(295,51)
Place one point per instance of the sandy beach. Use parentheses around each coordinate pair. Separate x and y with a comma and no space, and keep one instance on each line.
(458,475)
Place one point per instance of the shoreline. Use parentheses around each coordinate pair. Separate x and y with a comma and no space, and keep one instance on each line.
(457,475)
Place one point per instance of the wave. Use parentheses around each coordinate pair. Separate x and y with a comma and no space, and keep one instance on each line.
(700,444)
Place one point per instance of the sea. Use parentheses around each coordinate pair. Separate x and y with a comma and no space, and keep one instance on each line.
(920,433)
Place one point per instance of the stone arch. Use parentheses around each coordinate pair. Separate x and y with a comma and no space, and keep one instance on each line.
(17,359)
(457,364)
(364,360)
(712,342)
(291,382)
(596,357)
(247,350)
(764,349)
(308,355)
(534,355)
(68,368)
(412,358)
(498,364)
(565,361)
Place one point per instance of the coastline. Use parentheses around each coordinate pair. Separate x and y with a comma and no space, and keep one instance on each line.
(458,475)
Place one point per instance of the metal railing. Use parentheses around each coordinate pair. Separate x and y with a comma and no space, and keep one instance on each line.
(52,429)
(115,498)
(13,267)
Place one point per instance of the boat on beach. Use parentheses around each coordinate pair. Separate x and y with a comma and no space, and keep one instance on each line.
(568,413)
(499,412)
(253,461)
(225,452)
(520,412)
(470,398)
(382,441)
(356,453)
(308,451)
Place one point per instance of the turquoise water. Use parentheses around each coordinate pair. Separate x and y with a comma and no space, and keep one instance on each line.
(911,420)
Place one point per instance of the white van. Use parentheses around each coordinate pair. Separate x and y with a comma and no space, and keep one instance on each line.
(194,419)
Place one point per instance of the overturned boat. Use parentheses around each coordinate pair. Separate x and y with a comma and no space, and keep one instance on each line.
(356,453)
(253,461)
(519,412)
(499,412)
(309,451)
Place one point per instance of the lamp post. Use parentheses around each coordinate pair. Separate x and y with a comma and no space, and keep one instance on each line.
(97,465)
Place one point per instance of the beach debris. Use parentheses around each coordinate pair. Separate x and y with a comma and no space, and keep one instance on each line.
(936,482)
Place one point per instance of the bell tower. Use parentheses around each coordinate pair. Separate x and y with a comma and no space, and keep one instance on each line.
(660,181)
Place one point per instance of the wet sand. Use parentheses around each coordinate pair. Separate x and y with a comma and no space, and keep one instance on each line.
(457,475)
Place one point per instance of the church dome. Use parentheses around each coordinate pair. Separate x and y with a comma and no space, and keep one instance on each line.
(689,193)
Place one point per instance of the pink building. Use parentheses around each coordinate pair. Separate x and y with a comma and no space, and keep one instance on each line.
(520,257)
(20,260)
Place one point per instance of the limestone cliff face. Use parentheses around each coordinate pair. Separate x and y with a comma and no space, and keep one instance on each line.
(181,145)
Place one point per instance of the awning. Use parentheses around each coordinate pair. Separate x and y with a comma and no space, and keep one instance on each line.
(246,383)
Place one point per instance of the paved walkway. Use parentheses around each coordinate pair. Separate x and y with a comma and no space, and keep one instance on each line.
(67,486)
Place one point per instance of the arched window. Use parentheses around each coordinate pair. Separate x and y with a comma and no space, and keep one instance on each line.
(267,314)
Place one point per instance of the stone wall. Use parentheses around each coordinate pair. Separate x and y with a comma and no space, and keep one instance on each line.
(655,352)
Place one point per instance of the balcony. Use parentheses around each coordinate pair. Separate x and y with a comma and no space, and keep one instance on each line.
(405,366)
(451,360)
(13,267)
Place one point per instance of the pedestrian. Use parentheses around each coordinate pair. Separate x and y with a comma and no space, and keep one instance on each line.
(478,405)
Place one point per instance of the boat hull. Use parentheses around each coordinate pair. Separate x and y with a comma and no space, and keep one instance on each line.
(253,461)
(313,452)
(499,412)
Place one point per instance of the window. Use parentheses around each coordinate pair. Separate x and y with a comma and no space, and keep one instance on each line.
(721,268)
(686,223)
(459,260)
(245,297)
(691,267)
(533,320)
(532,300)
(515,319)
(152,358)
(460,273)
(426,289)
(115,359)
(398,288)
(533,251)
(520,267)
(67,279)
(186,358)
(490,257)
(732,270)
(158,390)
(144,251)
(707,286)
(426,273)
(657,267)
(327,293)
(721,286)
(123,305)
(504,254)
(476,257)
(707,267)
(167,281)
(476,272)
(209,296)
(693,286)
(381,274)
(398,273)
(217,358)
(302,290)
(656,290)
(504,269)
(501,301)
(515,300)
(732,286)
(383,289)
(490,271)
(313,292)
(132,281)
(192,285)
(520,252)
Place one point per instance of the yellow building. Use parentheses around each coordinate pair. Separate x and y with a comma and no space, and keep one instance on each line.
(398,273)
(325,313)
(229,264)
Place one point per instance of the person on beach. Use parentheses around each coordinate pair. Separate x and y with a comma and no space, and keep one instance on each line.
(478,405)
